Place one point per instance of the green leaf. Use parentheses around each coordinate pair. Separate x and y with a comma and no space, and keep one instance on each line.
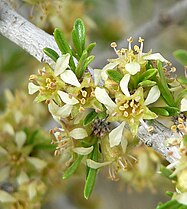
(172,204)
(167,173)
(147,83)
(71,170)
(91,176)
(180,96)
(51,53)
(181,56)
(159,111)
(173,111)
(79,71)
(90,47)
(64,46)
(148,74)
(90,117)
(182,80)
(163,87)
(78,36)
(115,75)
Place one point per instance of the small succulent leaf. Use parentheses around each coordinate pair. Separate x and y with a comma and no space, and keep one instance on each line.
(80,67)
(114,75)
(90,117)
(147,83)
(90,47)
(159,111)
(71,170)
(148,74)
(51,53)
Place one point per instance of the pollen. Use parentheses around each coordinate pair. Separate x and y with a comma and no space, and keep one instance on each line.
(84,93)
(140,40)
(130,39)
(126,114)
(113,45)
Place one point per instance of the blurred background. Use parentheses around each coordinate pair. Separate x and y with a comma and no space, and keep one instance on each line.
(106,21)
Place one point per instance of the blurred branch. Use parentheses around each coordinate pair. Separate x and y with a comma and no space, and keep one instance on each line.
(175,15)
(33,40)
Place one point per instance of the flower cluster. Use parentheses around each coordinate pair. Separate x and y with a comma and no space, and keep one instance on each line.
(27,161)
(96,112)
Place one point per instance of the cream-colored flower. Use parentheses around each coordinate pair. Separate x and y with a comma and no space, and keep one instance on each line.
(124,84)
(78,133)
(132,67)
(155,56)
(83,150)
(62,64)
(32,88)
(183,107)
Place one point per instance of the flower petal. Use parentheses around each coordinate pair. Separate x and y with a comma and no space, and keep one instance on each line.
(116,135)
(5,197)
(183,105)
(22,178)
(152,96)
(78,133)
(156,56)
(32,190)
(3,151)
(95,165)
(102,96)
(181,198)
(132,67)
(61,64)
(83,150)
(97,76)
(20,138)
(32,88)
(66,98)
(124,84)
(7,128)
(65,110)
(69,77)
(37,163)
(109,66)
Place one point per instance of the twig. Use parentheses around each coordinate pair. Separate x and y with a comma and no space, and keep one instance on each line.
(152,28)
(33,40)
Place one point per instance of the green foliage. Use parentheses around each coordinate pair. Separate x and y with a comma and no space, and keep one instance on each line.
(51,53)
(115,75)
(90,117)
(181,56)
(171,204)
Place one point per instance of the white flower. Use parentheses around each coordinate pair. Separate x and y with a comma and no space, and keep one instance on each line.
(132,67)
(183,105)
(78,133)
(97,76)
(109,66)
(152,96)
(102,96)
(32,88)
(5,197)
(116,135)
(124,84)
(37,163)
(181,198)
(156,56)
(83,150)
(68,76)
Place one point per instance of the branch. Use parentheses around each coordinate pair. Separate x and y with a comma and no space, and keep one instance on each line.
(154,27)
(33,40)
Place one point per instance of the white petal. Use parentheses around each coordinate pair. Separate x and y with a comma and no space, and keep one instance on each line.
(4,173)
(116,135)
(83,150)
(97,76)
(64,111)
(7,128)
(181,198)
(95,165)
(156,56)
(5,197)
(37,163)
(109,66)
(33,88)
(69,77)
(78,133)
(22,178)
(20,139)
(61,64)
(53,108)
(124,84)
(124,143)
(3,151)
(32,190)
(132,67)
(66,98)
(102,96)
(152,96)
(183,105)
